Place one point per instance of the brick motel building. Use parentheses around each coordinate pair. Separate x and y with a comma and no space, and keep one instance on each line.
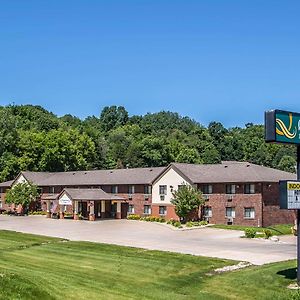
(238,193)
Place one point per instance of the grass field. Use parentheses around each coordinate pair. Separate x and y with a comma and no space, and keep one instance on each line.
(276,229)
(35,267)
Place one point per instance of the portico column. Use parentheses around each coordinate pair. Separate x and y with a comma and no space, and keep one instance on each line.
(92,211)
(76,217)
(48,215)
(61,212)
(102,209)
(118,214)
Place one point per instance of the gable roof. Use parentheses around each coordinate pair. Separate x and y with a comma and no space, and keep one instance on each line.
(88,194)
(95,177)
(6,183)
(231,171)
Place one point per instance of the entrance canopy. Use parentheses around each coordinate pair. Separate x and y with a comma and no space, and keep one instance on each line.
(88,195)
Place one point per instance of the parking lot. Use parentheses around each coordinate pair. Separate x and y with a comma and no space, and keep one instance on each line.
(204,241)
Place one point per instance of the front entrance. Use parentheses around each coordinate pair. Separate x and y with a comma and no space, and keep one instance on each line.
(83,209)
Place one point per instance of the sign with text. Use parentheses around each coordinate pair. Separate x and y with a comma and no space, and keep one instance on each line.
(65,200)
(282,127)
(289,194)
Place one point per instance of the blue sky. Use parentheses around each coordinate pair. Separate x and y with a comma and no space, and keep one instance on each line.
(211,60)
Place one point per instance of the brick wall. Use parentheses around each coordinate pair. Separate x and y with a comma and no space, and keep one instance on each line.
(272,214)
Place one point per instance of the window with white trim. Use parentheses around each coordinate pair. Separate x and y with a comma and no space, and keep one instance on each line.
(131,189)
(114,189)
(147,189)
(230,188)
(162,210)
(230,212)
(52,190)
(163,190)
(249,213)
(249,188)
(131,209)
(147,209)
(207,189)
(207,212)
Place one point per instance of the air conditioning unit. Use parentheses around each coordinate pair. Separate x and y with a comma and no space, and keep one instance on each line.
(146,197)
(229,198)
(206,218)
(162,197)
(130,196)
(206,197)
(229,221)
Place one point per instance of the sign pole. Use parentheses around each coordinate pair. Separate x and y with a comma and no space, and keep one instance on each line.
(298,220)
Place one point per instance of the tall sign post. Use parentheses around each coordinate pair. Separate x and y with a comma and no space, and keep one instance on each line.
(284,127)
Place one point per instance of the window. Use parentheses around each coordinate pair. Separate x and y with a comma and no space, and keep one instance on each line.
(147,189)
(1,190)
(230,188)
(207,189)
(131,189)
(230,212)
(162,210)
(207,211)
(147,209)
(249,188)
(0,204)
(163,190)
(131,209)
(249,213)
(52,190)
(114,189)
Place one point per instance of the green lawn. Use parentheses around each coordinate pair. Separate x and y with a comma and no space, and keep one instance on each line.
(36,267)
(276,229)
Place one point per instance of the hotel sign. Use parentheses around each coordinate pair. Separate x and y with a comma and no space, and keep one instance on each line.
(289,194)
(282,127)
(65,200)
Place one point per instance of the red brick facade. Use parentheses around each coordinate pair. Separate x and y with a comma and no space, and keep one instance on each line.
(264,201)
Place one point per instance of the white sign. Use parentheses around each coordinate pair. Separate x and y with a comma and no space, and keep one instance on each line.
(293,195)
(65,200)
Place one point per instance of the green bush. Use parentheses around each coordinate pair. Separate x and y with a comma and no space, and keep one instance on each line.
(177,224)
(203,223)
(133,217)
(267,233)
(189,224)
(250,233)
(162,220)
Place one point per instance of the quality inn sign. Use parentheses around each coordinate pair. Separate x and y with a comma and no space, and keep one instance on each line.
(282,127)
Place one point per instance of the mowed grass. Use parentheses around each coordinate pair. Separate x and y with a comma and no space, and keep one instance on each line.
(280,229)
(38,267)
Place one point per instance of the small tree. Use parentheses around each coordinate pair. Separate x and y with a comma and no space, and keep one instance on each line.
(186,199)
(22,193)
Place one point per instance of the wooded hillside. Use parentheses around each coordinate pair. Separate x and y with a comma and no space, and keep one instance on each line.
(31,138)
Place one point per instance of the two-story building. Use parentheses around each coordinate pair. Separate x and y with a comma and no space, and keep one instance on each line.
(235,192)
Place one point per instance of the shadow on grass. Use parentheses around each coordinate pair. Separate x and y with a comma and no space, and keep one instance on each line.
(288,273)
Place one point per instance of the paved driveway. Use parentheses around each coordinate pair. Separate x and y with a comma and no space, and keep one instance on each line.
(206,241)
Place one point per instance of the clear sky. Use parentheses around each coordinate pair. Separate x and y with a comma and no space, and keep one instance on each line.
(211,60)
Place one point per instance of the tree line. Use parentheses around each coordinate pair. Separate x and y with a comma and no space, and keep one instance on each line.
(34,139)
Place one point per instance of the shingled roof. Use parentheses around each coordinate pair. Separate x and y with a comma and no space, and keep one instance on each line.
(231,171)
(96,177)
(89,194)
(6,183)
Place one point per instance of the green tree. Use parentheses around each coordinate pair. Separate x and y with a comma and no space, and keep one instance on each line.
(186,200)
(288,164)
(22,193)
(113,116)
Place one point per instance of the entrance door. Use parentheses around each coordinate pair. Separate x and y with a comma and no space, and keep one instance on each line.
(113,210)
(124,210)
(82,209)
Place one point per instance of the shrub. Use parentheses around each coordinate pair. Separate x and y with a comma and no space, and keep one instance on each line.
(177,224)
(250,233)
(189,224)
(162,220)
(133,217)
(203,223)
(268,233)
